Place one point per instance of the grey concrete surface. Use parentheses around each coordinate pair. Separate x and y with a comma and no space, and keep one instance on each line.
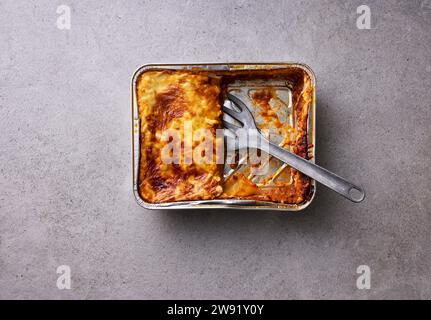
(65,160)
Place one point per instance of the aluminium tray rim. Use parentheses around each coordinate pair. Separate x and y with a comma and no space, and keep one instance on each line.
(217,203)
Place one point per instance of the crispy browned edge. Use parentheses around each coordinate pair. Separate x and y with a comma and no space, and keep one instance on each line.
(300,191)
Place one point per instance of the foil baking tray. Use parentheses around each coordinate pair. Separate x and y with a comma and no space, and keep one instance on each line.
(243,89)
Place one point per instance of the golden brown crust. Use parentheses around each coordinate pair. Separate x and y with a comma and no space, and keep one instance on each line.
(171,100)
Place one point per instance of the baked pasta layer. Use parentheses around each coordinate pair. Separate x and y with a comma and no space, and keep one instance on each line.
(172,105)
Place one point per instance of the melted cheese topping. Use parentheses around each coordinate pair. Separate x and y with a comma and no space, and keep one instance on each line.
(184,103)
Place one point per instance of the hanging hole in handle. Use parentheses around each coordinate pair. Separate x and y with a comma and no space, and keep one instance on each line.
(356,194)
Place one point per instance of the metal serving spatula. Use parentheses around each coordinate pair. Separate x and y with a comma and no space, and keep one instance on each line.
(329,179)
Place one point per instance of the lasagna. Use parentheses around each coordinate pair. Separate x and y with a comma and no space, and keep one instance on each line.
(173,103)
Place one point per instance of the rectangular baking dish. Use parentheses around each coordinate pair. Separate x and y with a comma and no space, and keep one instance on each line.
(226,68)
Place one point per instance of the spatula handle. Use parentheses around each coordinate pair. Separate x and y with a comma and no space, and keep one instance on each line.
(331,180)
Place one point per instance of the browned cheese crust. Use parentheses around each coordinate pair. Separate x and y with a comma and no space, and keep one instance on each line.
(171,100)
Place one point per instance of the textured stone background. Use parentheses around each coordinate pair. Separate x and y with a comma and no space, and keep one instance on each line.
(65,157)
